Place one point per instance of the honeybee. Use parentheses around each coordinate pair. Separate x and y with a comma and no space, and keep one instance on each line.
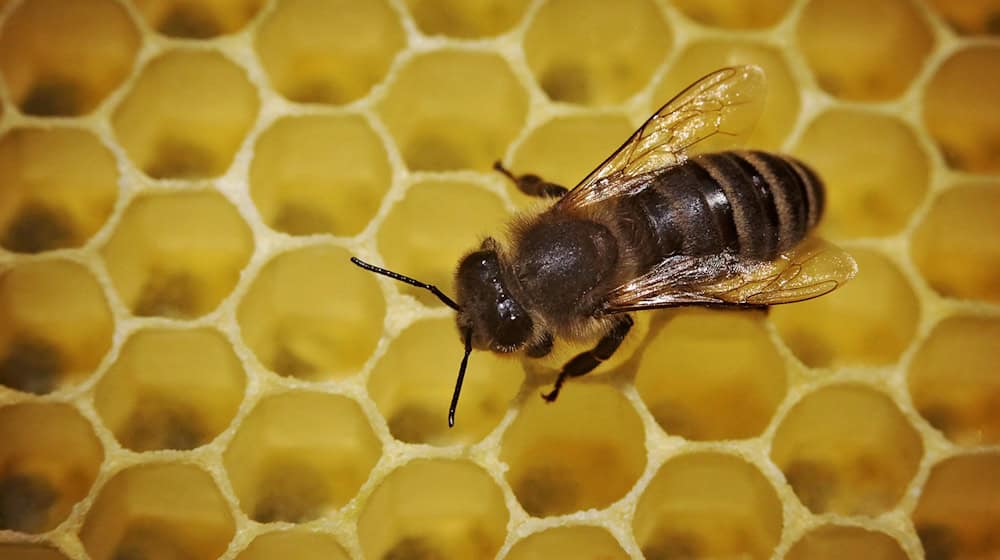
(655,225)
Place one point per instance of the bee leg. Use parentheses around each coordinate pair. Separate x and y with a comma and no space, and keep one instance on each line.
(584,363)
(532,185)
(541,348)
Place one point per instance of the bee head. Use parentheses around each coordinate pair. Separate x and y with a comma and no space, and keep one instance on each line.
(487,309)
(487,315)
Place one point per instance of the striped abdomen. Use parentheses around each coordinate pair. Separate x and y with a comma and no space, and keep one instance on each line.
(755,204)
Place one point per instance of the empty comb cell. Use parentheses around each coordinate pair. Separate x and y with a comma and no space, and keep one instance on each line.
(188,132)
(58,188)
(67,65)
(177,254)
(957,515)
(408,382)
(434,508)
(165,510)
(585,453)
(956,245)
(311,314)
(435,110)
(301,544)
(879,305)
(287,463)
(333,182)
(329,52)
(701,361)
(595,53)
(49,460)
(952,382)
(846,467)
(959,112)
(577,541)
(829,542)
(858,154)
(861,50)
(171,389)
(708,504)
(198,20)
(56,325)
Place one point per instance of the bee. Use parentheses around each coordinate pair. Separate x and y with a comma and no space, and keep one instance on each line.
(662,222)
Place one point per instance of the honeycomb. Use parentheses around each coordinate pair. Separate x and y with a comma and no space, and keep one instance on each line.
(190,367)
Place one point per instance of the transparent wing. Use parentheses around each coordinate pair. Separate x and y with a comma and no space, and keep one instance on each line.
(811,269)
(726,102)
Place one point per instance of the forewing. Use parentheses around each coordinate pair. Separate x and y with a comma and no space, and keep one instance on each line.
(811,269)
(726,102)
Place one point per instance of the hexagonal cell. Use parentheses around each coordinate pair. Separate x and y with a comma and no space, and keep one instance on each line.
(189,132)
(953,380)
(177,254)
(442,115)
(294,543)
(158,511)
(859,154)
(574,541)
(197,19)
(957,245)
(868,321)
(437,223)
(708,505)
(413,382)
(171,389)
(859,465)
(565,149)
(30,551)
(466,19)
(328,51)
(960,112)
(319,174)
(833,542)
(584,451)
(958,515)
(49,460)
(781,102)
(864,51)
(57,188)
(704,361)
(63,57)
(434,508)
(731,15)
(299,455)
(56,325)
(312,314)
(595,53)
(981,17)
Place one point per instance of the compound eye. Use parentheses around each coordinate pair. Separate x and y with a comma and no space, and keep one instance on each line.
(513,326)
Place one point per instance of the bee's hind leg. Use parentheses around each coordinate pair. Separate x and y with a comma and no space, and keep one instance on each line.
(584,363)
(532,185)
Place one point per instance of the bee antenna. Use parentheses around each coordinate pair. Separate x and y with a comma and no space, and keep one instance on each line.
(461,377)
(406,279)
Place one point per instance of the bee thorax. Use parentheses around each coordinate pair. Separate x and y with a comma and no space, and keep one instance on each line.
(561,261)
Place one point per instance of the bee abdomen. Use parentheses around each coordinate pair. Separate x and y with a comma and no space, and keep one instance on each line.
(755,204)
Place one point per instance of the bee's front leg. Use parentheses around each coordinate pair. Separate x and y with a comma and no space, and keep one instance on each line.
(541,348)
(584,363)
(532,185)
